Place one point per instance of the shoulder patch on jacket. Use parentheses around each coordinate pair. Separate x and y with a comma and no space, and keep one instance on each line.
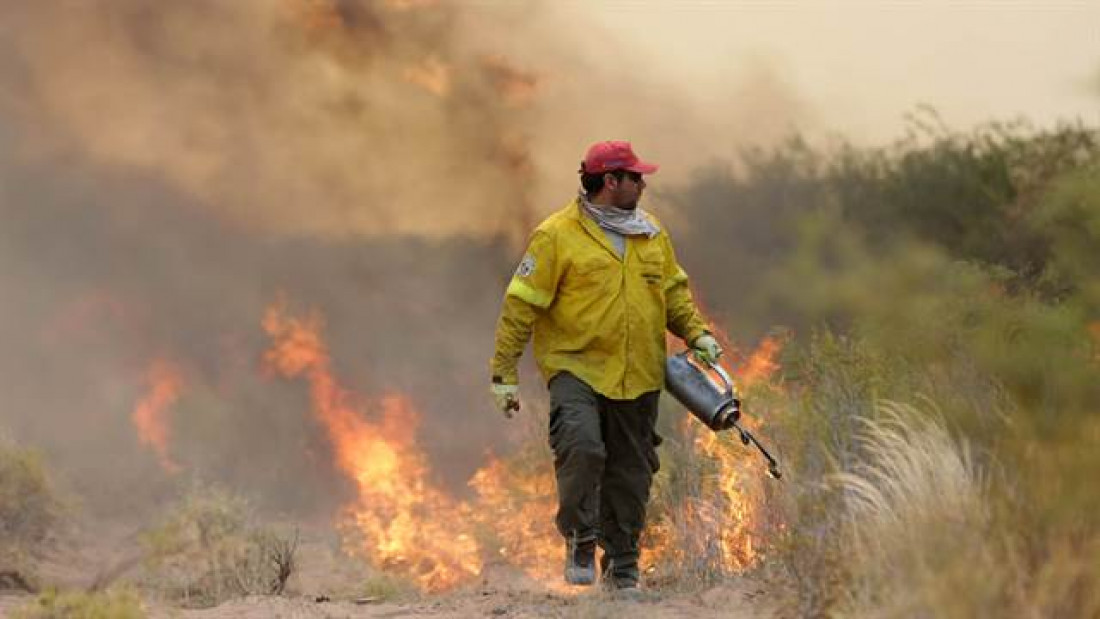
(526,266)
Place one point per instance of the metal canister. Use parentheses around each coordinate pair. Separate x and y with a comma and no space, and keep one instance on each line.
(715,405)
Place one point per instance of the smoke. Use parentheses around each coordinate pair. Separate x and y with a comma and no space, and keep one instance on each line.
(292,117)
(169,170)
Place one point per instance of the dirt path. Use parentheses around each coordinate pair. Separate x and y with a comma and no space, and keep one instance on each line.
(737,599)
(731,600)
(328,585)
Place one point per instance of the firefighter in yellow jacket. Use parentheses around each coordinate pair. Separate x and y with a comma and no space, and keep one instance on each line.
(597,288)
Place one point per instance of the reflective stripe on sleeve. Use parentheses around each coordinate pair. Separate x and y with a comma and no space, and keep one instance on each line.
(526,292)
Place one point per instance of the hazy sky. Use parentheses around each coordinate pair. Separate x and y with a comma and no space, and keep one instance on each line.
(858,67)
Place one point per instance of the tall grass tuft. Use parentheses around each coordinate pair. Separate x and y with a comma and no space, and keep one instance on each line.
(917,523)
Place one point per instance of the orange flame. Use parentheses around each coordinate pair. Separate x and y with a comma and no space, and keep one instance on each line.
(721,519)
(760,365)
(735,519)
(431,75)
(518,506)
(740,489)
(164,382)
(402,522)
(715,524)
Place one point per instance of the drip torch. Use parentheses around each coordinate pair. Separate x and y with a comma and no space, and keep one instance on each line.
(718,407)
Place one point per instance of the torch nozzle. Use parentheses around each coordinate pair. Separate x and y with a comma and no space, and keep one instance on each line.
(746,438)
(773,470)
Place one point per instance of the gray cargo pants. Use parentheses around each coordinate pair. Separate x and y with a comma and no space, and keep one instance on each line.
(604,460)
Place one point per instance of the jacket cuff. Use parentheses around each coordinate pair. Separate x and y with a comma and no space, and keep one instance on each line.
(505,377)
(694,335)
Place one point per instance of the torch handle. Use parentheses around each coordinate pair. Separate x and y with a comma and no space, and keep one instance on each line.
(718,369)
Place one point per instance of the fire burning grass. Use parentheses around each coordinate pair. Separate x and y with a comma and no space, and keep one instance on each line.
(516,503)
(405,524)
(709,507)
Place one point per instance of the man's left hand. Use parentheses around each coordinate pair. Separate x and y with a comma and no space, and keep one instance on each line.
(707,349)
(506,398)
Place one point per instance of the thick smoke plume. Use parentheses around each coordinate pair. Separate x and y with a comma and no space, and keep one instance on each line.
(293,117)
(169,170)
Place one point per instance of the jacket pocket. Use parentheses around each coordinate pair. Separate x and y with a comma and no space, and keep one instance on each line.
(651,266)
(591,272)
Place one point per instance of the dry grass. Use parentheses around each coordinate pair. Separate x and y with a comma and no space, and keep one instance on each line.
(686,516)
(385,587)
(915,528)
(889,511)
(112,604)
(902,529)
(917,524)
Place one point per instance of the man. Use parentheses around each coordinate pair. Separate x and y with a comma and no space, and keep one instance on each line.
(598,287)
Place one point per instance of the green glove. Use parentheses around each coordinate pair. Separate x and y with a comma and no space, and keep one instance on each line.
(506,398)
(707,349)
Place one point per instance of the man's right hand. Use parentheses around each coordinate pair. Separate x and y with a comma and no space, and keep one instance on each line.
(506,398)
(707,349)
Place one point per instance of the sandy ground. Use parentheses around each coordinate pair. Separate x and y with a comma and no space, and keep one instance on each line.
(727,601)
(736,599)
(328,585)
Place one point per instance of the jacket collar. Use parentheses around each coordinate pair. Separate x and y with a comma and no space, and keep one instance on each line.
(593,229)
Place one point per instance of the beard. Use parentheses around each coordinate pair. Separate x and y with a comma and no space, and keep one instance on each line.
(628,204)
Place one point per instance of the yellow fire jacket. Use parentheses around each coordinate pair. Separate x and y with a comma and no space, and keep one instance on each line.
(595,314)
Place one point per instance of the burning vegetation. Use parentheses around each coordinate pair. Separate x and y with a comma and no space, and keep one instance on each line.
(379,162)
(406,523)
(403,522)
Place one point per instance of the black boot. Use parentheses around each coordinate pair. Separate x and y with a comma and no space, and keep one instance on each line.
(580,561)
(621,575)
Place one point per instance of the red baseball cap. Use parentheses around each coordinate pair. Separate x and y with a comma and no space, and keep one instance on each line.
(614,155)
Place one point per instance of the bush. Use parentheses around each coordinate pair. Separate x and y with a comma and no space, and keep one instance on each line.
(29,508)
(207,551)
(982,197)
(887,511)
